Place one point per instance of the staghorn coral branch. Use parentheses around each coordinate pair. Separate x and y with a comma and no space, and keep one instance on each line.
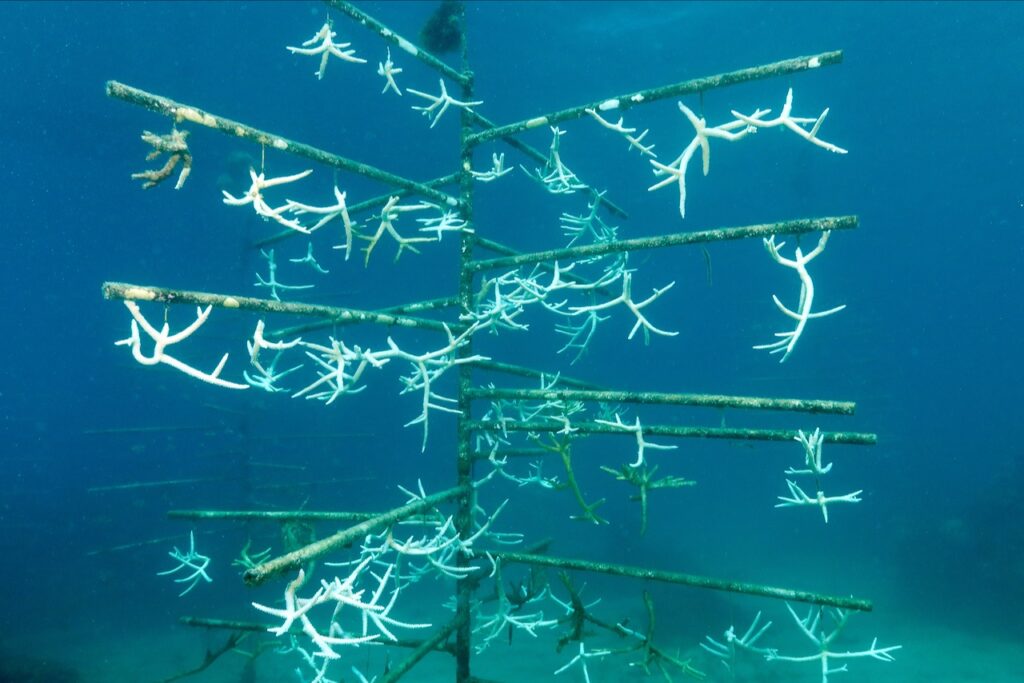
(322,43)
(162,338)
(787,340)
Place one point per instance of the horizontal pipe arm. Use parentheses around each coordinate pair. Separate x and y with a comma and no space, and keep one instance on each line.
(763,230)
(686,580)
(295,559)
(130,292)
(696,85)
(736,433)
(661,398)
(183,112)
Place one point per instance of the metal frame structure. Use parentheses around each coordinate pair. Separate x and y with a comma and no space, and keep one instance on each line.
(475,130)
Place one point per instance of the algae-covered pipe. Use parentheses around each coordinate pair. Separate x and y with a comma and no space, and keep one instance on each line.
(697,85)
(680,431)
(183,112)
(662,398)
(131,292)
(295,559)
(686,580)
(763,230)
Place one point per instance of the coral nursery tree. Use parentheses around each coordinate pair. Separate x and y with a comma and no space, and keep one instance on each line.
(349,589)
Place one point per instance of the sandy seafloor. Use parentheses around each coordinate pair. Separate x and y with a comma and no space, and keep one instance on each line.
(933,652)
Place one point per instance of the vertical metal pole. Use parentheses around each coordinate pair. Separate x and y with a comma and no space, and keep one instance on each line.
(246,267)
(464,463)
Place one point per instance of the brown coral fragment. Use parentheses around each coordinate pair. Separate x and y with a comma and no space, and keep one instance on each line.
(175,145)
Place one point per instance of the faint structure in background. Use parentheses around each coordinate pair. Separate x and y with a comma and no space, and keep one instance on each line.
(443,31)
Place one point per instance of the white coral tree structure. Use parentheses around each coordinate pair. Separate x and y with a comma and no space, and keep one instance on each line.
(787,340)
(740,127)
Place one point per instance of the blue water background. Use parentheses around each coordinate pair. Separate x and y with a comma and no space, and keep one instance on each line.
(927,100)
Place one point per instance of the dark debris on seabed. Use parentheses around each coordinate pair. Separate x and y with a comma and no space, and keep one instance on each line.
(16,668)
